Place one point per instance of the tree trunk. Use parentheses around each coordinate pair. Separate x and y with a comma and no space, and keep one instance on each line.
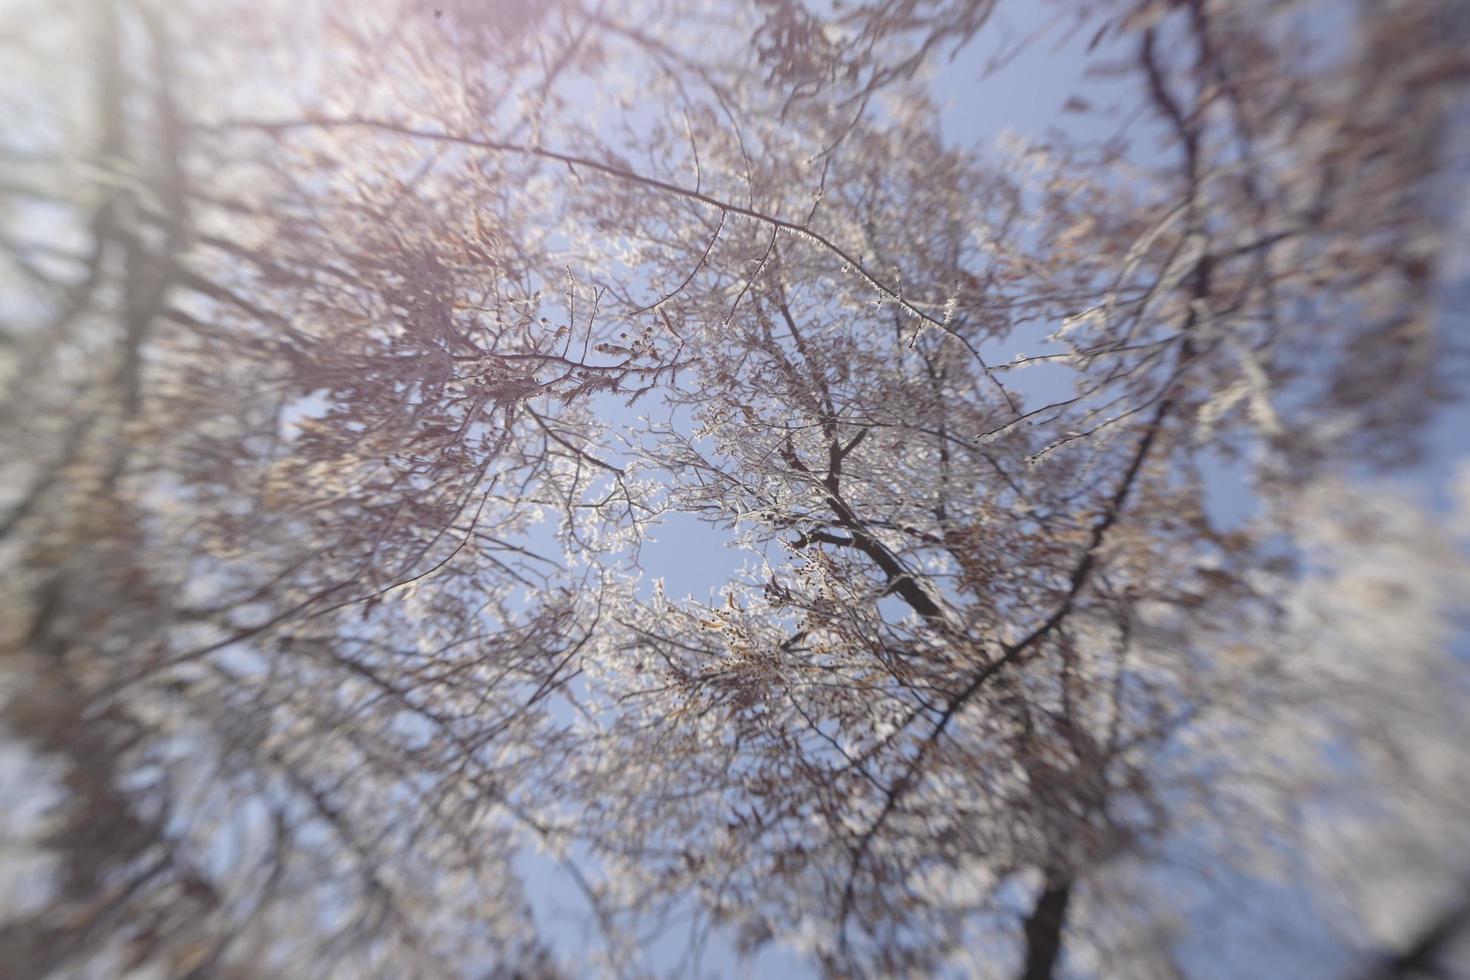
(1044,929)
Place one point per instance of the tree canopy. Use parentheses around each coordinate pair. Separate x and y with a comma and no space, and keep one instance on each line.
(355,356)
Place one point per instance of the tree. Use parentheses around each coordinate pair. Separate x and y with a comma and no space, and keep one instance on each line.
(328,316)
